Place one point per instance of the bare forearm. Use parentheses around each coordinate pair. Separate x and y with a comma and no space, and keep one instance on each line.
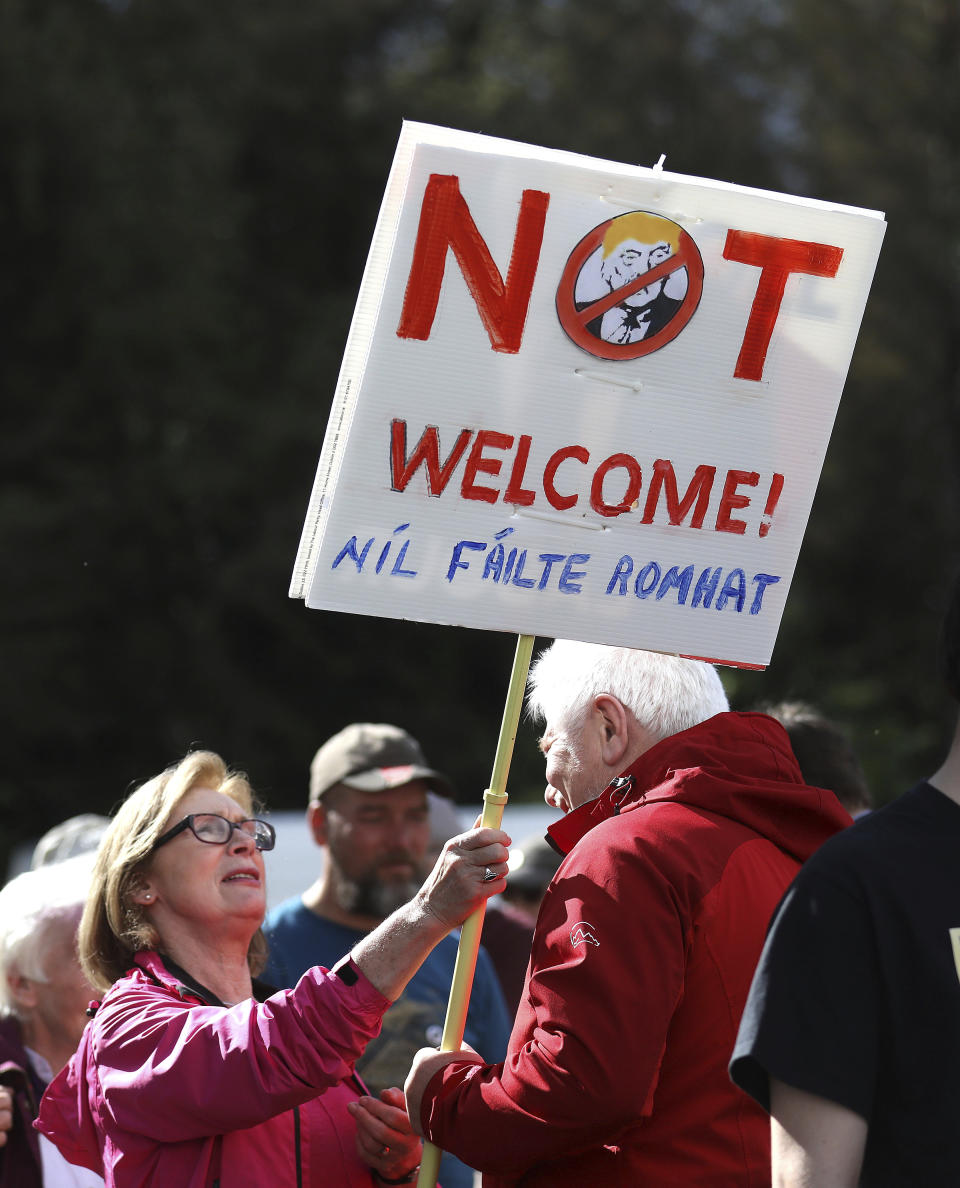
(391,954)
(395,950)
(814,1143)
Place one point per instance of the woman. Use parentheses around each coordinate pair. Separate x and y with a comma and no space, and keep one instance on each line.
(187,1075)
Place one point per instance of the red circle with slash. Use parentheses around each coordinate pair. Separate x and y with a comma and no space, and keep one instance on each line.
(575,320)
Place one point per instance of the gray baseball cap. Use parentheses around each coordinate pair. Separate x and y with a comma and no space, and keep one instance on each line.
(373,757)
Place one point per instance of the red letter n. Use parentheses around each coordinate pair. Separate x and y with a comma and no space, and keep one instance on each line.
(776,258)
(446,222)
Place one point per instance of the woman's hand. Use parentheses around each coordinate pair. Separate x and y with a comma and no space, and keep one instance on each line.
(472,866)
(385,1138)
(458,884)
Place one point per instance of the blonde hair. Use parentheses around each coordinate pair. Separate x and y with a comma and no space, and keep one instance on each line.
(644,228)
(113,928)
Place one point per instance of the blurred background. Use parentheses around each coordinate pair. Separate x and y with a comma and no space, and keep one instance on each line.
(187,194)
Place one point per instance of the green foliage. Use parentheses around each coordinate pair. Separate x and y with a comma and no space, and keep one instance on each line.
(187,193)
(875,111)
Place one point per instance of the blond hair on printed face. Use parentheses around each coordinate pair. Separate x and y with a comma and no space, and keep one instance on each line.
(644,228)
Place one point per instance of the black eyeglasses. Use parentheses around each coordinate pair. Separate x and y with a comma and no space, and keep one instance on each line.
(217,831)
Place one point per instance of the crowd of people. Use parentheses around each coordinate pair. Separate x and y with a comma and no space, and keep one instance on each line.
(707,975)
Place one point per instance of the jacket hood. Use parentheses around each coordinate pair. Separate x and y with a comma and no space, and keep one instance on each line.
(734,765)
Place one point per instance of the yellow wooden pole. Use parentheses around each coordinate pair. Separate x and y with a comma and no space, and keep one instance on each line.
(494,800)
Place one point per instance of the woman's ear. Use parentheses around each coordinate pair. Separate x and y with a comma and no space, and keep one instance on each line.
(144,894)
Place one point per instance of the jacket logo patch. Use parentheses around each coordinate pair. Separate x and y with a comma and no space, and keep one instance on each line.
(582,934)
(955,941)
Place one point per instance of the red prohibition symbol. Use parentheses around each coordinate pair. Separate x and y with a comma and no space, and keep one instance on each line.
(630,286)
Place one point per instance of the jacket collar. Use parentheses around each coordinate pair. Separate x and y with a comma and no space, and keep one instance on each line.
(734,765)
(648,770)
(564,834)
(653,767)
(658,765)
(164,970)
(166,973)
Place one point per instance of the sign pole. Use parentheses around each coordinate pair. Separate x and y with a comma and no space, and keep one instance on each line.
(494,800)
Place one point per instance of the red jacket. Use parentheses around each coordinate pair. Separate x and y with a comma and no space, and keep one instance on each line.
(616,1071)
(165,1090)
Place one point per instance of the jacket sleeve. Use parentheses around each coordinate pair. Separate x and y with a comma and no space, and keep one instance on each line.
(606,976)
(174,1070)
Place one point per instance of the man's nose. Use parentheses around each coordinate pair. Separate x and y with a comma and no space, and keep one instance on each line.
(405,833)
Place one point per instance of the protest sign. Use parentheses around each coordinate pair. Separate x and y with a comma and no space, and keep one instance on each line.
(584,399)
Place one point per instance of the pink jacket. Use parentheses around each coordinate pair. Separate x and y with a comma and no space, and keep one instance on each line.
(165,1089)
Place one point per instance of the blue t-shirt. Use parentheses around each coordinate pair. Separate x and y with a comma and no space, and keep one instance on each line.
(300,939)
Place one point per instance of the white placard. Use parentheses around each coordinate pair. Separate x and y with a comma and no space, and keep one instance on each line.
(583,399)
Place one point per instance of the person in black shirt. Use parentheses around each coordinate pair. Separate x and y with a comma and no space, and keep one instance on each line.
(851,1033)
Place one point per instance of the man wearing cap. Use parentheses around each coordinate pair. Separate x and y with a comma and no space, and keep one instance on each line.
(368,810)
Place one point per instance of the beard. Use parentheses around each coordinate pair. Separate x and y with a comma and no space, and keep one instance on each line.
(369,895)
(587,782)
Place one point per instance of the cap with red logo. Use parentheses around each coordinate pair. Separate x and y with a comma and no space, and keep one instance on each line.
(373,757)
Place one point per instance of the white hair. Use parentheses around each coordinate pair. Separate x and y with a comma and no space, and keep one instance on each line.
(29,905)
(666,694)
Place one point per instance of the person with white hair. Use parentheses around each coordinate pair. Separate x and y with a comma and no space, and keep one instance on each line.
(684,823)
(76,835)
(43,1000)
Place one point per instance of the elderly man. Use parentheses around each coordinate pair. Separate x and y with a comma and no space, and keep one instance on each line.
(684,823)
(43,1001)
(851,1034)
(369,812)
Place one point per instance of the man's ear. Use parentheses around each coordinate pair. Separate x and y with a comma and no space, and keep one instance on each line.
(614,729)
(317,823)
(23,990)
